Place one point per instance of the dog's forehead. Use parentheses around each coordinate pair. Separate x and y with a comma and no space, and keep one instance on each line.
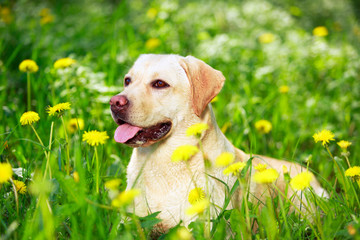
(157,66)
(153,60)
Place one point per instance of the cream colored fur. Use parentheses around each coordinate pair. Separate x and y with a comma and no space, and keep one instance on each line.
(164,184)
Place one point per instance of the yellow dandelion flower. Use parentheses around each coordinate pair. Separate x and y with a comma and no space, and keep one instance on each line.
(113,184)
(351,230)
(184,153)
(152,13)
(267,176)
(301,181)
(284,89)
(224,159)
(353,172)
(29,118)
(58,109)
(196,195)
(182,233)
(46,16)
(5,172)
(325,136)
(266,38)
(94,137)
(152,43)
(320,31)
(260,167)
(47,19)
(20,186)
(198,207)
(234,168)
(6,15)
(28,66)
(76,176)
(196,129)
(263,126)
(64,63)
(125,198)
(74,124)
(344,144)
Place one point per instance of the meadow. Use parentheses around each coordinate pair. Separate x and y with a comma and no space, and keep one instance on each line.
(294,64)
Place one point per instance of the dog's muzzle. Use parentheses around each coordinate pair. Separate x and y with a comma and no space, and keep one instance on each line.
(134,135)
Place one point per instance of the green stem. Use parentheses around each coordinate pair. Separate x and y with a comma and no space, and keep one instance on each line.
(293,204)
(203,152)
(355,194)
(317,215)
(328,150)
(338,167)
(47,216)
(247,214)
(28,92)
(138,228)
(67,148)
(97,170)
(48,166)
(206,165)
(16,196)
(98,204)
(282,209)
(37,135)
(347,160)
(273,208)
(191,173)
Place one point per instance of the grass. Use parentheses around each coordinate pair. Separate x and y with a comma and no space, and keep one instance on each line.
(105,37)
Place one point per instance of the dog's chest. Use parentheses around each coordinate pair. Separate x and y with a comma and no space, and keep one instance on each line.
(164,186)
(168,184)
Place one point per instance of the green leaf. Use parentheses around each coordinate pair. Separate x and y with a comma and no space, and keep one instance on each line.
(238,225)
(150,220)
(268,220)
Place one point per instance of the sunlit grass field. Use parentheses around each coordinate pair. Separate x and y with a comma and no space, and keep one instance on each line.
(297,66)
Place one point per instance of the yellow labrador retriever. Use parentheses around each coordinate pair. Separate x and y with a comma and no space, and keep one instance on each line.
(164,95)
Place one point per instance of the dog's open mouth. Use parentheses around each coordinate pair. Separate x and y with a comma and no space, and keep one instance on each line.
(133,135)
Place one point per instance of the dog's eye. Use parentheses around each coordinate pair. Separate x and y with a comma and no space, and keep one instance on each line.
(159,84)
(127,81)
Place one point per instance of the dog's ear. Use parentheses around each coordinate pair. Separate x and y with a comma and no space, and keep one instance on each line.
(205,82)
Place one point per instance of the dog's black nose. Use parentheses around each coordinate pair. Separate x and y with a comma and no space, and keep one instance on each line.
(119,103)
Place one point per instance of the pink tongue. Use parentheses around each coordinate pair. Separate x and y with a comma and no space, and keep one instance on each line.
(125,132)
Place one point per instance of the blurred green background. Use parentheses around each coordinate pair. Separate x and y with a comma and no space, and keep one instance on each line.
(105,37)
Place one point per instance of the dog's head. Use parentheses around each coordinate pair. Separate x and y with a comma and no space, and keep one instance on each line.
(161,91)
